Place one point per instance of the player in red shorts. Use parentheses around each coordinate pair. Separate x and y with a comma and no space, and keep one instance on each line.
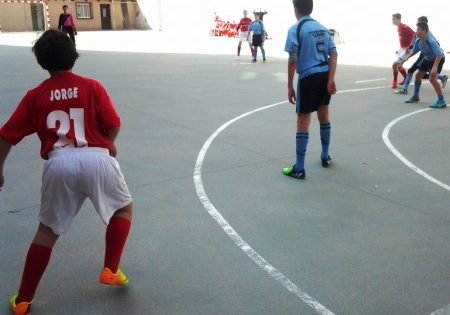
(243,29)
(406,36)
(77,125)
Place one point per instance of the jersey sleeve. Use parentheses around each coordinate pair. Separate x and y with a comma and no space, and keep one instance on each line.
(106,112)
(437,50)
(20,124)
(291,40)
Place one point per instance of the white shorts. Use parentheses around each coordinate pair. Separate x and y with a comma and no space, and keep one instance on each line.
(243,37)
(401,54)
(74,174)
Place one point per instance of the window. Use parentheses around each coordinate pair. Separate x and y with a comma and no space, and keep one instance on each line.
(84,10)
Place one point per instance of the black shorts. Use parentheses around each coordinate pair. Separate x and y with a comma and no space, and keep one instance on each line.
(312,92)
(257,40)
(426,65)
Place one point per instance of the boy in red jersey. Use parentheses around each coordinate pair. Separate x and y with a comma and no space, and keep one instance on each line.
(243,28)
(406,36)
(77,124)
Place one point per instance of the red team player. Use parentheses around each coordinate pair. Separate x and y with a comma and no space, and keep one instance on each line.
(243,29)
(77,125)
(406,36)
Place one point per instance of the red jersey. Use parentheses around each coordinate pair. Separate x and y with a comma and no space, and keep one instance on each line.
(244,24)
(65,111)
(405,34)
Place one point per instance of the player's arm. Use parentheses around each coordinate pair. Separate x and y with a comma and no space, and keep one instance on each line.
(434,69)
(292,65)
(5,147)
(112,134)
(332,66)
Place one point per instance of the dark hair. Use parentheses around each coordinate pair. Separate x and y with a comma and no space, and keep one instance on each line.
(422,19)
(304,7)
(397,16)
(65,6)
(423,26)
(55,51)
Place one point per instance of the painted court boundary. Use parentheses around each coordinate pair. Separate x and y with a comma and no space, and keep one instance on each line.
(231,232)
(446,309)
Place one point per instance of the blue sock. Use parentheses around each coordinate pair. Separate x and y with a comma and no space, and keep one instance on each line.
(441,97)
(263,53)
(255,53)
(417,85)
(301,143)
(325,133)
(407,81)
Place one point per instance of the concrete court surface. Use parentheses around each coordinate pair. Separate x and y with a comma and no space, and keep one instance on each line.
(367,236)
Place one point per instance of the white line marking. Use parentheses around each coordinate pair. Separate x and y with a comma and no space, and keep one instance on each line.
(402,158)
(372,80)
(249,251)
(446,309)
(442,311)
(230,231)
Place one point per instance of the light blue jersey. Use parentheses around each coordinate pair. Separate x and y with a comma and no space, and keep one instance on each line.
(316,47)
(257,27)
(429,47)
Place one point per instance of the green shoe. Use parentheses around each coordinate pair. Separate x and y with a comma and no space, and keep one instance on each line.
(401,91)
(290,171)
(413,99)
(439,104)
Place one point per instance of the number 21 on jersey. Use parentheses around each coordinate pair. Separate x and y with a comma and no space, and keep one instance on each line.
(77,116)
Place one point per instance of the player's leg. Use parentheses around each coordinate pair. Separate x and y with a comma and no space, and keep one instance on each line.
(417,84)
(263,52)
(394,74)
(36,262)
(325,134)
(440,103)
(403,73)
(239,49)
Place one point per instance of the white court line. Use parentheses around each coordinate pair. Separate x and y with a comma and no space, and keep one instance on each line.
(446,309)
(372,80)
(402,158)
(231,232)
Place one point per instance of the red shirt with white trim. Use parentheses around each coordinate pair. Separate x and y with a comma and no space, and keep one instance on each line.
(244,24)
(406,35)
(65,111)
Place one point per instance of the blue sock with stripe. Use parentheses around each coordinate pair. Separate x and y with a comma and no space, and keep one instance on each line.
(301,143)
(417,85)
(325,133)
(407,81)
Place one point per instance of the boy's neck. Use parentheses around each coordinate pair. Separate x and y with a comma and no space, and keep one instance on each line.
(53,73)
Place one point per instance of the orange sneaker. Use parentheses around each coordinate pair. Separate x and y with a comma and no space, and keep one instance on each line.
(22,308)
(108,277)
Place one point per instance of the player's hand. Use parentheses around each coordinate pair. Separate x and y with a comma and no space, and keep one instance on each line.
(2,181)
(291,95)
(433,73)
(331,87)
(113,150)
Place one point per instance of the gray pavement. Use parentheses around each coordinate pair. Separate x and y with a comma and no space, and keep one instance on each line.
(367,236)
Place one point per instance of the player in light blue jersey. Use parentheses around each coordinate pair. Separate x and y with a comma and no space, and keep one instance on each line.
(433,60)
(312,53)
(258,37)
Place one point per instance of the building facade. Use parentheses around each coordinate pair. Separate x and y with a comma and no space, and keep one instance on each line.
(88,15)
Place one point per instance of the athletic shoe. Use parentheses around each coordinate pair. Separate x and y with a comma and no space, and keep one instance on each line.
(118,278)
(326,162)
(413,99)
(290,171)
(264,60)
(237,58)
(444,81)
(401,91)
(394,84)
(439,104)
(22,308)
(253,60)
